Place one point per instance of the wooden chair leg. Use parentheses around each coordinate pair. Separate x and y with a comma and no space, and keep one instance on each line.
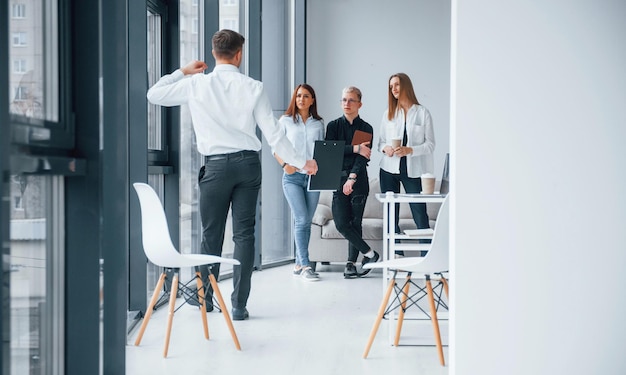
(379,317)
(220,300)
(170,316)
(153,301)
(405,293)
(445,286)
(435,320)
(205,324)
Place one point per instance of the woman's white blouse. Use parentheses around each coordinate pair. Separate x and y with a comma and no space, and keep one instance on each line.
(302,135)
(420,137)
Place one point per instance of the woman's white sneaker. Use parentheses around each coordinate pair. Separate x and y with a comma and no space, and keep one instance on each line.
(308,274)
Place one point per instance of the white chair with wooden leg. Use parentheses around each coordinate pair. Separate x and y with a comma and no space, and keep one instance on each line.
(432,267)
(158,247)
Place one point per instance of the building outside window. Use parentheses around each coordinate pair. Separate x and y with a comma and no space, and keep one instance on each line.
(18,11)
(19,66)
(19,39)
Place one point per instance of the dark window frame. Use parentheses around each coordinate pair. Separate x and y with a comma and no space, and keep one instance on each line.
(60,134)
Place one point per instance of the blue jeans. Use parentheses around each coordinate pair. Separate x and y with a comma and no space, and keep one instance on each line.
(231,181)
(303,204)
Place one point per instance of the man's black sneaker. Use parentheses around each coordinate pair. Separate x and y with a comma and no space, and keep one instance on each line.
(367,260)
(240,313)
(350,271)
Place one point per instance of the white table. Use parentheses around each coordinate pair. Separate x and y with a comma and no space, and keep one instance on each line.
(389,200)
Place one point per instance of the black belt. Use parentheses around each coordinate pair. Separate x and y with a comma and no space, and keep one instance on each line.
(232,155)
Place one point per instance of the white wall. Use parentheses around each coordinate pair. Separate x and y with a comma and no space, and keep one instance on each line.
(539,246)
(363,42)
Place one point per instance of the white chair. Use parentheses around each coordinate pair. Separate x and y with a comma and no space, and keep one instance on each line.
(431,267)
(159,249)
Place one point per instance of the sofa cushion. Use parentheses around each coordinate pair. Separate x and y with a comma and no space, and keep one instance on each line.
(326,198)
(372,230)
(322,214)
(373,207)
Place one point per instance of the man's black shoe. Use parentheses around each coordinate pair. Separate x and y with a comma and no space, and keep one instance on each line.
(240,314)
(350,271)
(367,260)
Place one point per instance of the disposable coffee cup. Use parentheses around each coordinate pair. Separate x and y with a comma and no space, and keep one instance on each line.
(428,183)
(396,142)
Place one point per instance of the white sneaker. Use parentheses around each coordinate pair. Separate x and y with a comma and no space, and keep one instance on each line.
(308,274)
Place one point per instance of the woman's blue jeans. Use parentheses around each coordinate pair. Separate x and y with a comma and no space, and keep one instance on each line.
(303,204)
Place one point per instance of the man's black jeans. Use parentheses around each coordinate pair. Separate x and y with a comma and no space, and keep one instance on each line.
(348,216)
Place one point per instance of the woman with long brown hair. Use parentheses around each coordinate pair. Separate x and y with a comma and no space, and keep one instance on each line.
(408,123)
(303,126)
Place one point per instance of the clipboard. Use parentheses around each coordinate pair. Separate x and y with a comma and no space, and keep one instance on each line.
(360,136)
(329,158)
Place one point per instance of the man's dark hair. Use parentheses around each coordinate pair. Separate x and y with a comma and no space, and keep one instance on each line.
(226,43)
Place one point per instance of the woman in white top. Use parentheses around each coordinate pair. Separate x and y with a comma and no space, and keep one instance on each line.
(410,124)
(303,126)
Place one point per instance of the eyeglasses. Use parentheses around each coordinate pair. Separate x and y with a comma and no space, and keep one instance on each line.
(349,101)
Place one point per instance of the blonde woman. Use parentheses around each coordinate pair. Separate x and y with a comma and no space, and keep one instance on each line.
(410,124)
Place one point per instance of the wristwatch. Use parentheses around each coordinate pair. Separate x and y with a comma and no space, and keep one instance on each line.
(352,178)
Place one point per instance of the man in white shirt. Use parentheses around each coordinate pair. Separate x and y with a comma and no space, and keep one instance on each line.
(226,107)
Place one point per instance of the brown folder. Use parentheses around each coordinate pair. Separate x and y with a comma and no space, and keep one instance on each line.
(360,136)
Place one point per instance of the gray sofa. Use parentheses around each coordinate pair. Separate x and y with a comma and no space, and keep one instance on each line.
(327,245)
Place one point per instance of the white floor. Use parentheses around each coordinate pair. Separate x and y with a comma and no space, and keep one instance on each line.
(295,327)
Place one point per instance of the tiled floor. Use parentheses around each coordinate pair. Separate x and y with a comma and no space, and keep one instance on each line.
(295,327)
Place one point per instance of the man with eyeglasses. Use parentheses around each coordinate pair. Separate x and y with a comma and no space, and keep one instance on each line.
(350,197)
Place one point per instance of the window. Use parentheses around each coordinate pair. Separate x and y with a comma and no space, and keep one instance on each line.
(194,26)
(18,203)
(19,39)
(34,52)
(155,113)
(19,66)
(229,2)
(231,24)
(18,11)
(36,296)
(21,94)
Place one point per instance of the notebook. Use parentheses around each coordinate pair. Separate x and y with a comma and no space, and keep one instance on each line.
(360,136)
(426,232)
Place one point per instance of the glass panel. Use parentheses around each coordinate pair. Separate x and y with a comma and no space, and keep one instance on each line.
(229,15)
(33,49)
(190,159)
(37,274)
(155,113)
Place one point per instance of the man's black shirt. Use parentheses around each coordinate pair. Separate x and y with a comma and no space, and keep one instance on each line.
(341,130)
